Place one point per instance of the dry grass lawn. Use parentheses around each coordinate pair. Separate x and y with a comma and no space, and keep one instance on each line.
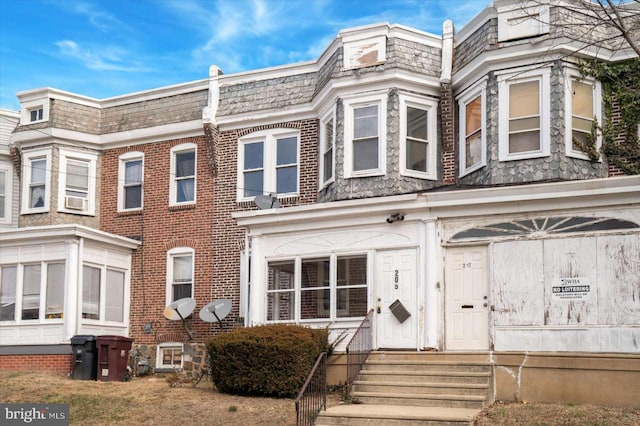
(151,400)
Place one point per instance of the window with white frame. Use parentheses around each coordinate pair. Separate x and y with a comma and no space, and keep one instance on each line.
(180,273)
(320,288)
(36,189)
(418,147)
(472,133)
(183,174)
(103,293)
(32,291)
(77,183)
(130,180)
(327,149)
(169,356)
(524,115)
(6,193)
(365,136)
(36,114)
(582,106)
(8,282)
(268,163)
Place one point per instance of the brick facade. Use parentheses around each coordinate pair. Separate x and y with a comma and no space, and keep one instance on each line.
(57,364)
(161,227)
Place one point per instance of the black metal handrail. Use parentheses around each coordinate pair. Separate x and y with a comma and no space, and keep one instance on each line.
(313,396)
(358,349)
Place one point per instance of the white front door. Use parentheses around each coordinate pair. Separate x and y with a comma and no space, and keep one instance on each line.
(466,296)
(395,300)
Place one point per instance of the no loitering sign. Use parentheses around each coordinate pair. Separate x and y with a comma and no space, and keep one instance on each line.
(571,289)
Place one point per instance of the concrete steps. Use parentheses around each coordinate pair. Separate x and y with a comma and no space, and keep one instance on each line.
(389,415)
(416,388)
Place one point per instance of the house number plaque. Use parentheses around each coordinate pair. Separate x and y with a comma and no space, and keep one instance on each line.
(396,279)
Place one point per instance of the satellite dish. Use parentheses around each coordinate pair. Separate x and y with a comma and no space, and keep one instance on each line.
(266,201)
(216,310)
(179,310)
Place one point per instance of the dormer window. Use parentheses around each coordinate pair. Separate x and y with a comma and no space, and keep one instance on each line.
(36,114)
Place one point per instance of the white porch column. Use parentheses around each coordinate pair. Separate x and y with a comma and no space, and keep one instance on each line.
(433,286)
(71,289)
(258,285)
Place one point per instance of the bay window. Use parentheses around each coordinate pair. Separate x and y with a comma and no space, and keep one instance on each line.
(418,146)
(524,115)
(103,294)
(365,136)
(582,107)
(327,151)
(472,132)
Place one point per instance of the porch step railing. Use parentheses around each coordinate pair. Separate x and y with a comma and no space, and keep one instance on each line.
(358,349)
(313,396)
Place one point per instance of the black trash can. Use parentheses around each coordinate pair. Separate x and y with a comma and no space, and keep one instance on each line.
(113,358)
(85,359)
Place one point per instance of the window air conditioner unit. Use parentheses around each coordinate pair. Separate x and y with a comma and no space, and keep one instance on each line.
(75,203)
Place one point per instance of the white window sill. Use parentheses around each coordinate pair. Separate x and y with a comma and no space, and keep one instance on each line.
(524,156)
(471,169)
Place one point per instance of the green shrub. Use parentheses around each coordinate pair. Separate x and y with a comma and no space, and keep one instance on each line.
(270,360)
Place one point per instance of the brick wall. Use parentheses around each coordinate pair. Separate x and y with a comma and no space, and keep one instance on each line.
(59,364)
(161,228)
(448,126)
(229,237)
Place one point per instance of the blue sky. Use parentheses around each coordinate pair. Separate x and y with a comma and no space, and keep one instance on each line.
(113,47)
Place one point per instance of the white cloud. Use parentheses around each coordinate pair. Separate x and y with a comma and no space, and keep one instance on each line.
(98,18)
(104,58)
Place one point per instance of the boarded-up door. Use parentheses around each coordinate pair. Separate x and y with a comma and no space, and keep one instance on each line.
(396,297)
(466,299)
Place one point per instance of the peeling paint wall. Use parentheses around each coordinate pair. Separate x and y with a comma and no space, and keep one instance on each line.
(600,309)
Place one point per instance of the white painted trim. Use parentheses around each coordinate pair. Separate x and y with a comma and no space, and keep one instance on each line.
(329,115)
(461,203)
(269,138)
(572,75)
(178,251)
(27,158)
(470,94)
(141,136)
(159,358)
(18,236)
(64,155)
(505,79)
(122,159)
(6,167)
(173,187)
(431,106)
